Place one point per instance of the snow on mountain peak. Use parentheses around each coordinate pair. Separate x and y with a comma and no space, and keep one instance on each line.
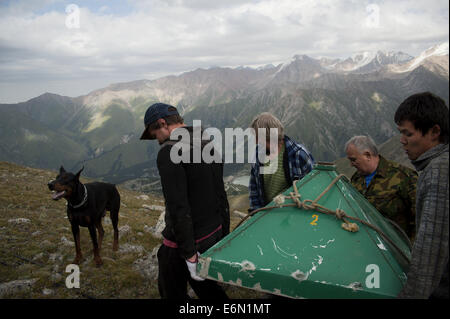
(398,57)
(369,61)
(437,50)
(288,62)
(440,49)
(362,55)
(357,61)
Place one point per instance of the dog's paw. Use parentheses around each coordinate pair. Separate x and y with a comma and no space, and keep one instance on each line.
(98,262)
(77,260)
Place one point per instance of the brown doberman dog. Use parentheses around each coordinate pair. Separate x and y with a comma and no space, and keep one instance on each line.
(86,206)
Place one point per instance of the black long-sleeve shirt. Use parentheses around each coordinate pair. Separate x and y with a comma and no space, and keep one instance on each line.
(196,201)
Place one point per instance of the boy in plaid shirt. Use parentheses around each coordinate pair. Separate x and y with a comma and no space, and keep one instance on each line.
(294,162)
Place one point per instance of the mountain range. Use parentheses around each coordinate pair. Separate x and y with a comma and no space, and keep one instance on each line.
(321,101)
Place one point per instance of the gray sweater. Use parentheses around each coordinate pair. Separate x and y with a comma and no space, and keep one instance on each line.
(428,273)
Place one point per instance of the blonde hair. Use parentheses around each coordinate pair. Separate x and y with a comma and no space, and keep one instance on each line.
(267,121)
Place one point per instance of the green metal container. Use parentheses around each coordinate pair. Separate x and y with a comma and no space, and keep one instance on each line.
(302,253)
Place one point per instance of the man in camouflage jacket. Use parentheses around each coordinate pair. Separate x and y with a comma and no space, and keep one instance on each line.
(388,186)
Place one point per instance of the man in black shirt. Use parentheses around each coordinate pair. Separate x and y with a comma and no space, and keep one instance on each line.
(197,212)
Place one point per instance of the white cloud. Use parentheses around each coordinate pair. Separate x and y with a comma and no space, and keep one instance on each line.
(171,36)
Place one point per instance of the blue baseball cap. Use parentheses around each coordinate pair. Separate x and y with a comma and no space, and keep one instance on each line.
(155,112)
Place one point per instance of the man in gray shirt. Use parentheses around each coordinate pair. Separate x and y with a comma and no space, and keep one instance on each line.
(422,120)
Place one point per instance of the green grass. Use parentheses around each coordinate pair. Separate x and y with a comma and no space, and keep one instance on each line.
(28,250)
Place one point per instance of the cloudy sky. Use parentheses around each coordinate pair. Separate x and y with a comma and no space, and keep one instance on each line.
(74,47)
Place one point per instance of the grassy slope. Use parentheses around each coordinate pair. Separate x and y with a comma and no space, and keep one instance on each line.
(28,249)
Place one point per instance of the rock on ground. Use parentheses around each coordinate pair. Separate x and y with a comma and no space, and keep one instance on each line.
(47,291)
(148,265)
(124,230)
(128,248)
(67,242)
(16,286)
(17,221)
(154,207)
(158,228)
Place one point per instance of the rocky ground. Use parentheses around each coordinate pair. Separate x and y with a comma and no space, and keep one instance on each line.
(37,243)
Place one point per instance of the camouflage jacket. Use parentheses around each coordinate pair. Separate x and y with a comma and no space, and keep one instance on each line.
(392,192)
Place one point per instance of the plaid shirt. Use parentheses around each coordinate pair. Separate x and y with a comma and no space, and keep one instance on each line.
(300,162)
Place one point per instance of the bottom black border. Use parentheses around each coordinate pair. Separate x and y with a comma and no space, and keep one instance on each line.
(235,308)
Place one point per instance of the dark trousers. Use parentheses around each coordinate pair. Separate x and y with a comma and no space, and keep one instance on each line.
(173,274)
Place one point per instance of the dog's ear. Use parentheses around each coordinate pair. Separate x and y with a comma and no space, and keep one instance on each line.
(62,170)
(79,172)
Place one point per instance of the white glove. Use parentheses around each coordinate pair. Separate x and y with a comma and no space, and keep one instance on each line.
(192,267)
